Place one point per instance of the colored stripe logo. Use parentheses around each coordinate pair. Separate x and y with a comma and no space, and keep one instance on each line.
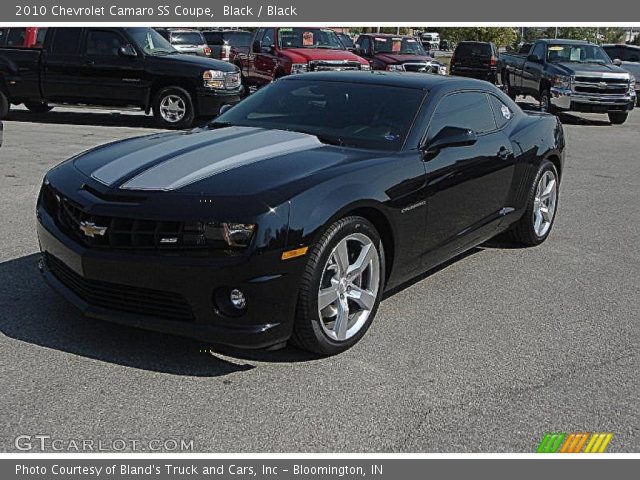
(574,442)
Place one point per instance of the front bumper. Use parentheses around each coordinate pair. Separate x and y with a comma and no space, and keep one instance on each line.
(210,101)
(566,99)
(173,294)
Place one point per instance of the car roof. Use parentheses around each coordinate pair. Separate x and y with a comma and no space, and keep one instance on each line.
(422,81)
(563,41)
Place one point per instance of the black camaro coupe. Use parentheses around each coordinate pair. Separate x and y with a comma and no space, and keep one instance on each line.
(287,217)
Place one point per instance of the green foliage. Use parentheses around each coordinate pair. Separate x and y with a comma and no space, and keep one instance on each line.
(501,36)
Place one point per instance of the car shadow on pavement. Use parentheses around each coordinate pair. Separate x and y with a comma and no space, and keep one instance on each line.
(31,312)
(89,118)
(565,117)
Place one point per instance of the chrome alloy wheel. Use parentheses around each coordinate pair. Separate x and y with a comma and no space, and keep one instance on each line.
(349,287)
(544,203)
(172,108)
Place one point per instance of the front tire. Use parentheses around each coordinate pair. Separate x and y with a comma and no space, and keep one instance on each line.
(340,288)
(173,108)
(545,101)
(618,118)
(542,204)
(37,107)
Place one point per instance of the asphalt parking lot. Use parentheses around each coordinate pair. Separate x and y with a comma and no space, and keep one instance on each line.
(484,355)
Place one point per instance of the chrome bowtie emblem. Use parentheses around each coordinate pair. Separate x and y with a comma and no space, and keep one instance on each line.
(90,229)
(602,85)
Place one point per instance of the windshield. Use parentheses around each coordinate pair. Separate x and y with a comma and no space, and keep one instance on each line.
(187,38)
(398,45)
(238,39)
(346,40)
(339,113)
(579,53)
(471,49)
(150,41)
(309,38)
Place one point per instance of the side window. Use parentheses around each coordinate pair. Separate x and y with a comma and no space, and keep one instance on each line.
(469,110)
(16,37)
(538,50)
(66,41)
(42,32)
(501,112)
(214,39)
(365,44)
(103,43)
(269,36)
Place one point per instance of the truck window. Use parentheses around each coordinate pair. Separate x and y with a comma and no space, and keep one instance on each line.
(464,110)
(40,34)
(213,38)
(268,38)
(580,53)
(16,37)
(538,50)
(66,41)
(525,49)
(187,38)
(103,43)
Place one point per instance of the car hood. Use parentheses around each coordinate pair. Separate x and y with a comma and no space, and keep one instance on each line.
(396,58)
(231,161)
(304,55)
(570,68)
(194,61)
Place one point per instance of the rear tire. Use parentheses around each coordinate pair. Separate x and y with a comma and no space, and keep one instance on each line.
(173,108)
(337,301)
(535,226)
(618,118)
(37,107)
(4,106)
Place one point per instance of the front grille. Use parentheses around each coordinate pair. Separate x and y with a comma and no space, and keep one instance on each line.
(123,298)
(332,65)
(420,67)
(600,85)
(121,233)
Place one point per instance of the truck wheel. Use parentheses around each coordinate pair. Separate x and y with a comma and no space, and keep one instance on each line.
(340,288)
(4,106)
(37,107)
(618,118)
(508,89)
(173,108)
(534,226)
(545,101)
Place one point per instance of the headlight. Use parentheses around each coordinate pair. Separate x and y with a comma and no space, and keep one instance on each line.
(231,234)
(365,66)
(442,70)
(561,81)
(299,68)
(395,68)
(213,79)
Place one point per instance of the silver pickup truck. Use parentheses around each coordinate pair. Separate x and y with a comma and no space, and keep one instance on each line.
(569,75)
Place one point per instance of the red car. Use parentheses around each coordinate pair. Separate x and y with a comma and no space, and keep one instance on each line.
(26,37)
(276,52)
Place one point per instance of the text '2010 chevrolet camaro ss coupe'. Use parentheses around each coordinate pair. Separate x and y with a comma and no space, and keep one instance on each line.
(287,217)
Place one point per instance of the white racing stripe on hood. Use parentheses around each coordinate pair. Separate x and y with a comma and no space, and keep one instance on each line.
(124,166)
(226,155)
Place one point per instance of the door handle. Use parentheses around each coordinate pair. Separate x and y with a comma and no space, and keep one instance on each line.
(504,153)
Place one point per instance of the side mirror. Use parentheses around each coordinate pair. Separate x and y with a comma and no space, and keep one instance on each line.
(617,62)
(224,108)
(256,47)
(128,51)
(534,58)
(451,137)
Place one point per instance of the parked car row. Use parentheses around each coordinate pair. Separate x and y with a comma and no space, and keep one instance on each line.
(563,75)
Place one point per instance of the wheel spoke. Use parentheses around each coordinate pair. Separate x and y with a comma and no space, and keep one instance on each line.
(342,257)
(327,296)
(364,298)
(342,321)
(362,262)
(548,189)
(538,221)
(545,214)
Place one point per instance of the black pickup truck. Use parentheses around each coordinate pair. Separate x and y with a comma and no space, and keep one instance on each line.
(116,67)
(569,75)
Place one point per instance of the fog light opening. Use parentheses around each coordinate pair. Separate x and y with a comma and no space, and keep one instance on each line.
(237,299)
(230,302)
